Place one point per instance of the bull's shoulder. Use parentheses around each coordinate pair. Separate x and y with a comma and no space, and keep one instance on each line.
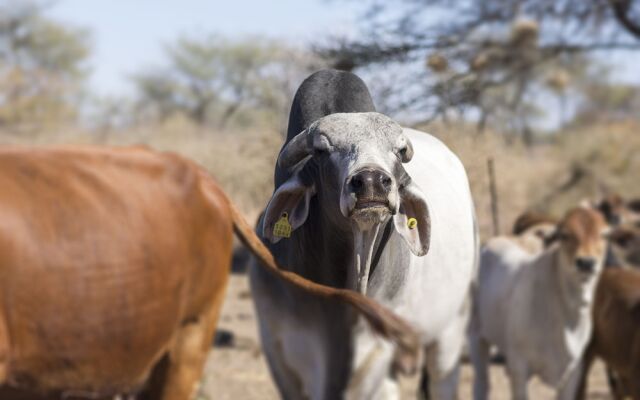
(434,160)
(429,145)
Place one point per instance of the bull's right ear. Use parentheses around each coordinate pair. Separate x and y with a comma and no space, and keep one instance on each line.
(288,209)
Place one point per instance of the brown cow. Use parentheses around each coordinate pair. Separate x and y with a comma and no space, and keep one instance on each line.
(113,261)
(625,246)
(616,331)
(618,211)
(624,216)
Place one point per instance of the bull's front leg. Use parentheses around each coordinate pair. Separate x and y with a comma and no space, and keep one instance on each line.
(443,359)
(371,376)
(518,372)
(569,388)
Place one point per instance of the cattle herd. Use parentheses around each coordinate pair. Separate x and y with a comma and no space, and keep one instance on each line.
(367,265)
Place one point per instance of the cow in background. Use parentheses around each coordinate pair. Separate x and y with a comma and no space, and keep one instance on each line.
(624,218)
(616,333)
(617,210)
(537,308)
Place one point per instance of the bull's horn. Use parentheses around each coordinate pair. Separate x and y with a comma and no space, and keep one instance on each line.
(298,148)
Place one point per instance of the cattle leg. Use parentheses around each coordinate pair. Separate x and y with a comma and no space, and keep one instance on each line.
(189,353)
(569,389)
(443,359)
(588,357)
(186,361)
(518,377)
(479,353)
(616,384)
(423,390)
(634,386)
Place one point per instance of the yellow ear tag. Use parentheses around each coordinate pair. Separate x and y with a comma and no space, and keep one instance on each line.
(282,228)
(412,223)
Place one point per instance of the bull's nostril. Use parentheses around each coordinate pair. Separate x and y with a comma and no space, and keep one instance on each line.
(370,183)
(357,182)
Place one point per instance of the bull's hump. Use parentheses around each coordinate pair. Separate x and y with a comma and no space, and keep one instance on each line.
(327,92)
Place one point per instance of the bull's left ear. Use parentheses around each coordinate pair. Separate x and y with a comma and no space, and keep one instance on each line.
(288,206)
(412,220)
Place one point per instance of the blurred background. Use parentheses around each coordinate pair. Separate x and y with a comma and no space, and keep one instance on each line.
(549,90)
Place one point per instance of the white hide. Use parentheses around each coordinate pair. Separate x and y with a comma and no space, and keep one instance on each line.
(437,286)
(432,295)
(523,308)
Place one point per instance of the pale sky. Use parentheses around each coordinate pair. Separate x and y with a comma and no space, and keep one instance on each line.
(128,35)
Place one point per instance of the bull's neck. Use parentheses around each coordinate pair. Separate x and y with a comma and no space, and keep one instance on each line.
(325,251)
(321,250)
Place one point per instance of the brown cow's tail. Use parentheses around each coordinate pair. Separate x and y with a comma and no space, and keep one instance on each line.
(381,319)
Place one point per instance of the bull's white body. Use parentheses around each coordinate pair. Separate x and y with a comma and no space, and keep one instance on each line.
(439,282)
(431,292)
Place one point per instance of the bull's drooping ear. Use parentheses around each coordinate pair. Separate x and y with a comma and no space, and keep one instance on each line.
(412,220)
(287,210)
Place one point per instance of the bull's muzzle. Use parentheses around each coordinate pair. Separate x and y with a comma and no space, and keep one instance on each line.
(370,188)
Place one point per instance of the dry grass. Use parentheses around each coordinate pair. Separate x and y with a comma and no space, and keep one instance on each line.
(596,158)
(577,164)
(549,177)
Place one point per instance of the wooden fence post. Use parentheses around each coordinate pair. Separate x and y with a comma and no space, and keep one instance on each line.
(494,196)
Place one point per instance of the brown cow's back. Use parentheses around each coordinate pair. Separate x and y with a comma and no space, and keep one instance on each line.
(104,254)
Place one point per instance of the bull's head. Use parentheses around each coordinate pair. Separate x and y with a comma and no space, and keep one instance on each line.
(353,164)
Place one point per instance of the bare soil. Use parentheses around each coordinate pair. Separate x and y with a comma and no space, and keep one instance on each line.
(240,372)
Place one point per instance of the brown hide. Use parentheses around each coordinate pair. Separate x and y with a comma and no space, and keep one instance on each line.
(616,330)
(105,255)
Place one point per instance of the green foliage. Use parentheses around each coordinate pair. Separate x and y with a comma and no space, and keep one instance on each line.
(42,65)
(213,80)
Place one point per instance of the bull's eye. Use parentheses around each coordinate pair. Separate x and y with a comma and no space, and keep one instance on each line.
(403,152)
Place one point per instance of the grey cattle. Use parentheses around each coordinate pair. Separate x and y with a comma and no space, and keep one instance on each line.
(536,308)
(364,204)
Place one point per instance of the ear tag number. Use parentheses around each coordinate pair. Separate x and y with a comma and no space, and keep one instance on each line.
(282,228)
(412,223)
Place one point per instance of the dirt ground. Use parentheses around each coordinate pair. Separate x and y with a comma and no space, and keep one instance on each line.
(239,372)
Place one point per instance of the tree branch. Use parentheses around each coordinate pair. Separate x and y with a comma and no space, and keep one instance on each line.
(622,11)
